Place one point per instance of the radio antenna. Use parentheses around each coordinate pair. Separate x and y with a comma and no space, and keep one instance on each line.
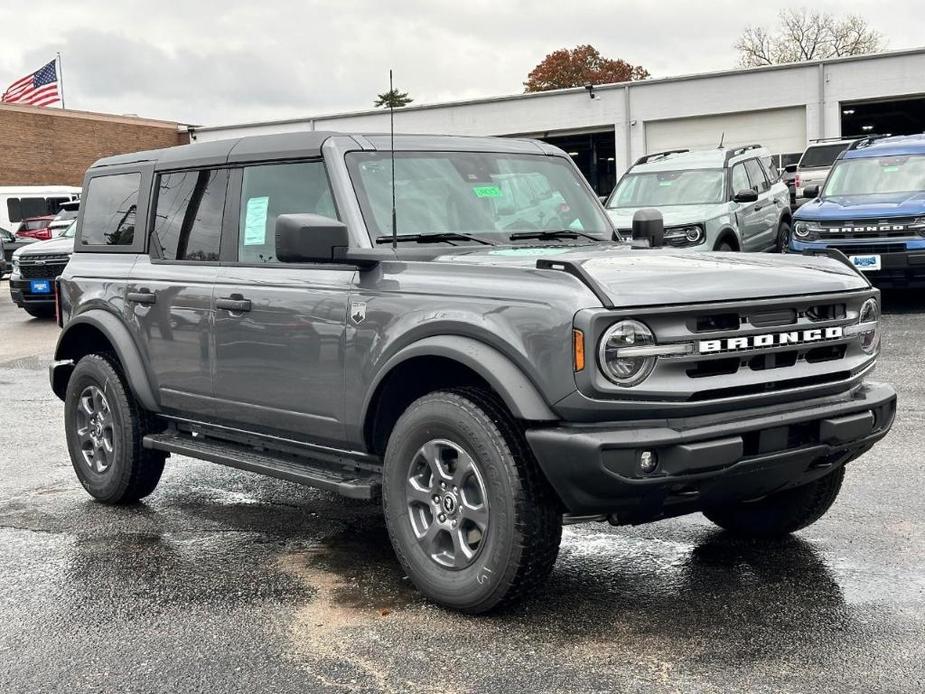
(392,155)
(721,138)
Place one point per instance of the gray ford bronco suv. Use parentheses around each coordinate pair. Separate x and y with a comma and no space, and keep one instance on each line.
(490,365)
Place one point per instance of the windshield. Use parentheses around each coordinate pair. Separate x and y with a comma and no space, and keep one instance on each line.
(822,155)
(486,194)
(70,231)
(877,176)
(690,187)
(65,215)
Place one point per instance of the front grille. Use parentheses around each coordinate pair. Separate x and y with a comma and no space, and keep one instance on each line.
(868,229)
(869,248)
(42,267)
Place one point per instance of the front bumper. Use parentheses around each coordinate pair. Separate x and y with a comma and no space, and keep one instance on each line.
(711,459)
(19,292)
(898,269)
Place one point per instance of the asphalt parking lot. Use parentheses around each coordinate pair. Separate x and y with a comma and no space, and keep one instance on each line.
(225,581)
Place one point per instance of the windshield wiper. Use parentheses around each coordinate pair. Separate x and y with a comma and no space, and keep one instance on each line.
(553,234)
(443,236)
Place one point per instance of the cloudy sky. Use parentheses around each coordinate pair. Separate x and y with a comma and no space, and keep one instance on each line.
(193,62)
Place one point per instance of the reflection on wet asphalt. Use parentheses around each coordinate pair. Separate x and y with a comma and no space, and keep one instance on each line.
(225,581)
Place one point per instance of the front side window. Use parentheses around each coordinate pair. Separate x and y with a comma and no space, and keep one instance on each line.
(187,222)
(759,181)
(740,180)
(275,189)
(877,176)
(110,206)
(657,188)
(488,194)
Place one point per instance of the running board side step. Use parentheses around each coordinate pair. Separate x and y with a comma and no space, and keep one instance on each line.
(352,483)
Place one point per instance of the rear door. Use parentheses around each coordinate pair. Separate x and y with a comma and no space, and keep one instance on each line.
(749,219)
(766,211)
(170,294)
(279,327)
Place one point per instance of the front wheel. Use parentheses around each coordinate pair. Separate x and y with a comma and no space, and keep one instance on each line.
(781,513)
(471,518)
(725,247)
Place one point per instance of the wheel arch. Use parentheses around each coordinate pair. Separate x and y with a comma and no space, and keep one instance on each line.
(446,361)
(728,234)
(100,331)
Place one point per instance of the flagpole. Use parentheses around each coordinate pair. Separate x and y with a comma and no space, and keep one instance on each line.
(61,79)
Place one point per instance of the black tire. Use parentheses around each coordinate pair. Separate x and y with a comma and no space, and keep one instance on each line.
(783,237)
(520,542)
(782,513)
(725,247)
(131,472)
(40,311)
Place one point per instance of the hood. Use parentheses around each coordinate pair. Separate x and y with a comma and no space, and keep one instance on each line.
(851,207)
(644,277)
(50,246)
(674,215)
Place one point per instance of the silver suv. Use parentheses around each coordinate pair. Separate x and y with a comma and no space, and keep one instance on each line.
(714,200)
(816,162)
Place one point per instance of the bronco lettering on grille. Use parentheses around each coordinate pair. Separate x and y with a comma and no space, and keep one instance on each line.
(793,337)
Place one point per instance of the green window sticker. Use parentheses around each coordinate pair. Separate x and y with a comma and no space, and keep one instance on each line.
(487,191)
(665,183)
(890,169)
(255,221)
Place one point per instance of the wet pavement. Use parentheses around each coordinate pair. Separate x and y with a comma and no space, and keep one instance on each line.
(224,581)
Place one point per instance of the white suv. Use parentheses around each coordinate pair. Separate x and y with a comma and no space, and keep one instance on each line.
(816,162)
(712,200)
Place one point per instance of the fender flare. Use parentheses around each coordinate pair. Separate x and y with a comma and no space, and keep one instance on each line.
(506,378)
(123,345)
(727,231)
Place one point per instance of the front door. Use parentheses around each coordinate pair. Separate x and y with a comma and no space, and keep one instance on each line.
(279,328)
(765,210)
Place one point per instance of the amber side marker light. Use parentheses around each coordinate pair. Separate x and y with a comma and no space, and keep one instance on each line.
(578,348)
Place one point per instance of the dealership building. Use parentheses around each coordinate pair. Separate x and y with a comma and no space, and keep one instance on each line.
(608,127)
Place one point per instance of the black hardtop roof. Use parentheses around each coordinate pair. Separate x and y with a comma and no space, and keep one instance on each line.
(307,144)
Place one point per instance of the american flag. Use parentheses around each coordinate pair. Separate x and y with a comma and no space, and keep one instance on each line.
(38,89)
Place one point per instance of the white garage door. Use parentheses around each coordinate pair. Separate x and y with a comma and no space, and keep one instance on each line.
(781,130)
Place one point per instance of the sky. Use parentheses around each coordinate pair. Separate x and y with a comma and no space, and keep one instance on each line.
(233,61)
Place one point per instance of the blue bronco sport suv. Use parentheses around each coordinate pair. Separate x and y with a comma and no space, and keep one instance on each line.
(872,208)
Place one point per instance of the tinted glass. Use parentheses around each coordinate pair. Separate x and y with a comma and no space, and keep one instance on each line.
(756,176)
(269,191)
(690,187)
(821,155)
(188,220)
(877,176)
(740,180)
(483,193)
(109,210)
(13,209)
(33,207)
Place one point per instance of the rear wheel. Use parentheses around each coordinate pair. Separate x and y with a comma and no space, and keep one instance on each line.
(104,426)
(783,237)
(782,513)
(471,518)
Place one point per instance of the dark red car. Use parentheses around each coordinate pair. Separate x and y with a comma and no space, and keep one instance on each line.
(35,228)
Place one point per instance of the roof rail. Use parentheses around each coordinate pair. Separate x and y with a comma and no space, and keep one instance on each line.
(867,141)
(736,151)
(838,139)
(645,159)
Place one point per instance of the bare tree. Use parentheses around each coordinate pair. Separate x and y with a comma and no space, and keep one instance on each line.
(804,35)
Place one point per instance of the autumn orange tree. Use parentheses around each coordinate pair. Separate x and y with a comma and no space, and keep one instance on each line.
(579,67)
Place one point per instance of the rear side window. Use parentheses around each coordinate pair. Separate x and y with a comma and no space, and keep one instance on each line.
(822,155)
(109,206)
(272,190)
(756,175)
(188,218)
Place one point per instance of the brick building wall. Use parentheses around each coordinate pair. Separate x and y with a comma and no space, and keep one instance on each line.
(50,146)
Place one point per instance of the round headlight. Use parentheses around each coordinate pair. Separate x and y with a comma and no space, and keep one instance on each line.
(616,353)
(869,326)
(801,229)
(694,234)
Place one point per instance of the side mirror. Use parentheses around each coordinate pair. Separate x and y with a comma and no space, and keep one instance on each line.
(648,224)
(790,168)
(811,192)
(309,238)
(747,195)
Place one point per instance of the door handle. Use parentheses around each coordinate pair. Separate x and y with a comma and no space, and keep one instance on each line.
(142,296)
(235,303)
(759,207)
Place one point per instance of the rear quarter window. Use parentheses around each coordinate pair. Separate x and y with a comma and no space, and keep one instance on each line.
(110,208)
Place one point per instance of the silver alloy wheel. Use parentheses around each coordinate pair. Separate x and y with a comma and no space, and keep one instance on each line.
(447,503)
(95,429)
